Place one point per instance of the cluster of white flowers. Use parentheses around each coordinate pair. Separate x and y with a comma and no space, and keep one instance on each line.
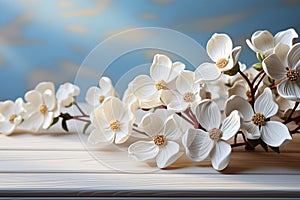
(176,112)
(41,109)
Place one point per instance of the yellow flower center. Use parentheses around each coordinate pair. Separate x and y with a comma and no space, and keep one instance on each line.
(161,85)
(12,118)
(292,74)
(189,97)
(114,125)
(215,134)
(159,140)
(258,119)
(101,99)
(43,109)
(221,63)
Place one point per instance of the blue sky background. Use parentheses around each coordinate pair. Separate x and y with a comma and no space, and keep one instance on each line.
(49,39)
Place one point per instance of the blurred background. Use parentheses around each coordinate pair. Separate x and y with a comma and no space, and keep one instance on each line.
(42,40)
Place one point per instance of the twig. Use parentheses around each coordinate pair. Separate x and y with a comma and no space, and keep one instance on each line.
(139,131)
(185,118)
(291,114)
(250,86)
(80,110)
(296,130)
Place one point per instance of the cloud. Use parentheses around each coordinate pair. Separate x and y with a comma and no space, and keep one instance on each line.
(162,1)
(66,72)
(211,23)
(77,28)
(65,4)
(148,16)
(100,7)
(134,36)
(12,33)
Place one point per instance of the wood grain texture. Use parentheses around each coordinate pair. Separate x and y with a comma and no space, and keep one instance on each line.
(55,163)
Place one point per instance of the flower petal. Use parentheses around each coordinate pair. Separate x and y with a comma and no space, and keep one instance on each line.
(281,50)
(92,96)
(289,90)
(167,154)
(177,68)
(219,46)
(143,87)
(113,109)
(6,127)
(101,136)
(275,133)
(265,104)
(33,122)
(252,130)
(143,150)
(185,82)
(124,133)
(207,72)
(286,37)
(230,125)
(160,68)
(273,67)
(208,114)
(263,41)
(48,119)
(171,129)
(240,104)
(43,86)
(178,106)
(34,98)
(220,155)
(198,144)
(235,54)
(49,99)
(239,89)
(293,55)
(152,124)
(7,108)
(106,86)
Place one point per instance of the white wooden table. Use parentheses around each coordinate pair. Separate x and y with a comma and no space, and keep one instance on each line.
(57,164)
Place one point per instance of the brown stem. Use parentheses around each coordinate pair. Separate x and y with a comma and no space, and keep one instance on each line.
(257,76)
(291,114)
(296,130)
(139,131)
(250,86)
(80,110)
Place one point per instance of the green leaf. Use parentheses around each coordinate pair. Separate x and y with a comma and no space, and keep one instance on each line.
(55,120)
(263,144)
(233,71)
(64,125)
(276,149)
(257,66)
(253,143)
(260,57)
(86,127)
(66,116)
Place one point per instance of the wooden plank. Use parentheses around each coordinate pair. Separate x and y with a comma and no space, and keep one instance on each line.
(112,162)
(152,185)
(56,139)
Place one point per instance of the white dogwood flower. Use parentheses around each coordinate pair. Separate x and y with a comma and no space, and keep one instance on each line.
(289,87)
(11,115)
(186,94)
(163,144)
(95,96)
(264,43)
(200,144)
(220,49)
(41,107)
(66,94)
(162,74)
(112,122)
(256,122)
